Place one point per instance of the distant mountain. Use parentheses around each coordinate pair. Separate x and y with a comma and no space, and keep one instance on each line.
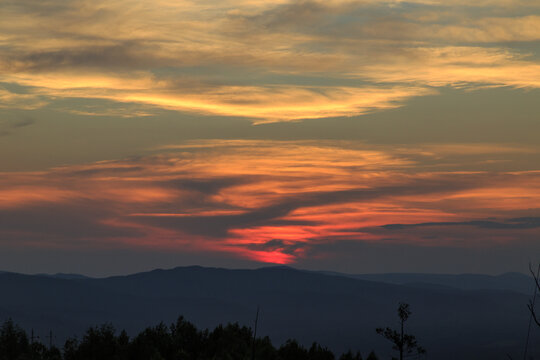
(509,281)
(338,311)
(65,276)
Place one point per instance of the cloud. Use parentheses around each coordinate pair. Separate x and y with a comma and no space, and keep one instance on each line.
(59,226)
(273,245)
(263,104)
(490,30)
(26,101)
(459,67)
(124,55)
(7,127)
(270,61)
(224,59)
(272,201)
(515,223)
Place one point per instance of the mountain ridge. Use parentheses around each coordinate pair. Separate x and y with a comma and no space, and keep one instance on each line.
(338,311)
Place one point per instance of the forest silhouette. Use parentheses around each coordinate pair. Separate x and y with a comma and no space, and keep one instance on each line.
(180,341)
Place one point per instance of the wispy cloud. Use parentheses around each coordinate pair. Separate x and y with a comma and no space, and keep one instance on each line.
(218,58)
(8,126)
(270,201)
(118,64)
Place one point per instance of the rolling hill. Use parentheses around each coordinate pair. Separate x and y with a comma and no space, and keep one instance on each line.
(478,320)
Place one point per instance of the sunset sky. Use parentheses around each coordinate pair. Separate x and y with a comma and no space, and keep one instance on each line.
(355,136)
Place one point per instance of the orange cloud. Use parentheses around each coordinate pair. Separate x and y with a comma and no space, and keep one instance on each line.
(18,196)
(274,201)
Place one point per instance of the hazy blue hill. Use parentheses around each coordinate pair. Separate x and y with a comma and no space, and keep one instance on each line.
(65,276)
(338,311)
(509,281)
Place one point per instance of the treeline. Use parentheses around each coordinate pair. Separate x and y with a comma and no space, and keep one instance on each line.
(180,341)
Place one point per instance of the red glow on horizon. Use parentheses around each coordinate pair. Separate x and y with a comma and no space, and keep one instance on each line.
(270,257)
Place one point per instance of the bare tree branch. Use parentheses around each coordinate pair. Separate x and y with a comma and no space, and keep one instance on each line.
(536,280)
(531,309)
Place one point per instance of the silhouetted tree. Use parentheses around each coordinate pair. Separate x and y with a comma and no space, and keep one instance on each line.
(13,342)
(317,352)
(99,342)
(264,350)
(372,356)
(291,350)
(350,356)
(531,304)
(51,354)
(38,350)
(186,340)
(153,342)
(70,349)
(404,343)
(181,341)
(229,342)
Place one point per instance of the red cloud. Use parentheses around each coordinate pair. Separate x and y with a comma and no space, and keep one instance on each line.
(264,201)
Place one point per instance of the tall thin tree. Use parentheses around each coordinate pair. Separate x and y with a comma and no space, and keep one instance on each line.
(403,342)
(255,335)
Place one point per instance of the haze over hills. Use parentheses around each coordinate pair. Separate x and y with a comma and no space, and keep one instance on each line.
(513,281)
(65,276)
(454,316)
(508,281)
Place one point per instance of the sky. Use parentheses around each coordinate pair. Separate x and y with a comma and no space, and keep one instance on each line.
(356,136)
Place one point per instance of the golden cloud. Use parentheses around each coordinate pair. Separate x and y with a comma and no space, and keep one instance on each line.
(145,53)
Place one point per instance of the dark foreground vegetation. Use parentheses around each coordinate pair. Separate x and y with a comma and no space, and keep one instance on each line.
(180,341)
